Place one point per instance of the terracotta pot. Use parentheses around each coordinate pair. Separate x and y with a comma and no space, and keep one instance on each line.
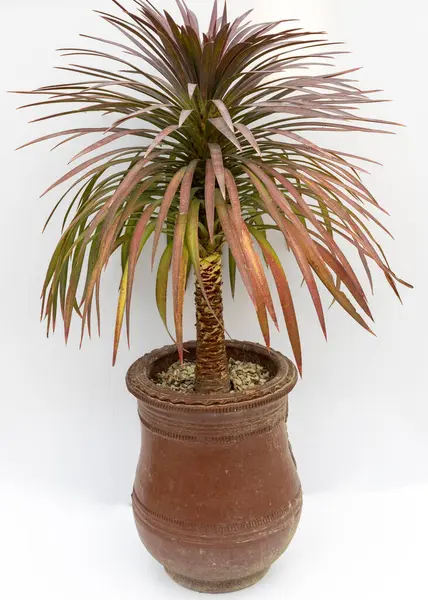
(217,497)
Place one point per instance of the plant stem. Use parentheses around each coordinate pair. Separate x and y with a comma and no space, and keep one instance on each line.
(212,373)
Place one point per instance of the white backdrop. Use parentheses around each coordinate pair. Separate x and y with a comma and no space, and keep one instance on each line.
(358,419)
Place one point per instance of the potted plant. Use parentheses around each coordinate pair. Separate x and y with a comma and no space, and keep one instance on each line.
(204,143)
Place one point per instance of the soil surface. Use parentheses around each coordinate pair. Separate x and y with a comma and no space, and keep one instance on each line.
(243,376)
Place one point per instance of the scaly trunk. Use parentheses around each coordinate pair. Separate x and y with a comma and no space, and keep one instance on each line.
(212,373)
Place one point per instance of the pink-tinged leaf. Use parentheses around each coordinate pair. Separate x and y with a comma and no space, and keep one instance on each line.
(236,249)
(319,268)
(300,139)
(217,162)
(220,124)
(126,186)
(301,242)
(103,142)
(213,21)
(160,136)
(366,268)
(120,312)
(338,209)
(232,190)
(193,21)
(209,197)
(284,294)
(248,135)
(186,186)
(234,244)
(69,139)
(224,17)
(343,275)
(184,12)
(391,282)
(256,271)
(80,168)
(137,113)
(300,256)
(170,192)
(328,239)
(191,87)
(162,284)
(224,113)
(179,268)
(237,22)
(108,213)
(183,116)
(73,132)
(134,252)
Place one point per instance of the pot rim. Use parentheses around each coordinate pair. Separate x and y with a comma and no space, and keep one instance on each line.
(145,389)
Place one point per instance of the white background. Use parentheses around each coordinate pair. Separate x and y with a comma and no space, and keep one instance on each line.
(358,420)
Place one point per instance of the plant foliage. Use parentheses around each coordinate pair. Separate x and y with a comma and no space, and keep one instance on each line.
(219,156)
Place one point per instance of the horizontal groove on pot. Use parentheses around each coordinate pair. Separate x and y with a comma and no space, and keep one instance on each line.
(201,438)
(217,427)
(247,531)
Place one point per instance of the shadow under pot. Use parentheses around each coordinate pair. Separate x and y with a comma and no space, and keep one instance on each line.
(217,498)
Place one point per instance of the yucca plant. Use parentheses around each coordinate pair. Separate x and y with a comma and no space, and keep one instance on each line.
(219,158)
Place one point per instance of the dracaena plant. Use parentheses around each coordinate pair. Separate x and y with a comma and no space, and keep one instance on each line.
(216,157)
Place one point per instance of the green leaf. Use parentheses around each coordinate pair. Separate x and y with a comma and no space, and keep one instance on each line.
(232,273)
(162,283)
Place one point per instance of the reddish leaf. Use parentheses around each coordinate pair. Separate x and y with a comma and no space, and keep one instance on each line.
(220,124)
(296,248)
(238,254)
(160,136)
(366,268)
(209,197)
(213,20)
(186,186)
(224,113)
(232,190)
(183,116)
(82,131)
(256,271)
(301,241)
(191,89)
(103,142)
(217,162)
(284,294)
(343,275)
(248,135)
(328,239)
(80,168)
(170,192)
(138,113)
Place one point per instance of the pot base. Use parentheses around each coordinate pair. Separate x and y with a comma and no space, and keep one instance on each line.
(217,587)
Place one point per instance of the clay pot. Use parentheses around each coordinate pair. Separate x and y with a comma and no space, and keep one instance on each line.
(217,497)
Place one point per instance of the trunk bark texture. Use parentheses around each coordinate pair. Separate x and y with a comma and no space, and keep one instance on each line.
(212,372)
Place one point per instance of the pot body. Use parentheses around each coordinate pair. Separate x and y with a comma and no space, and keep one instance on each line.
(217,497)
